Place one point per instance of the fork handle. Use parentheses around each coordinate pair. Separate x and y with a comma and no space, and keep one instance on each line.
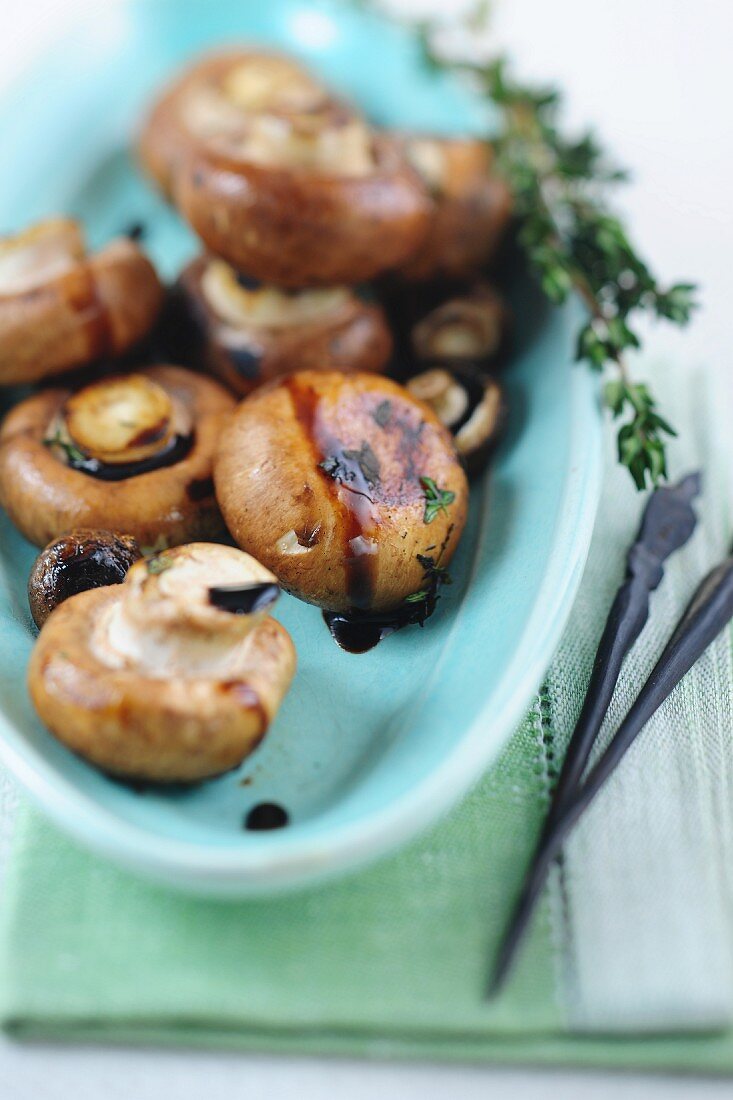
(626,620)
(709,611)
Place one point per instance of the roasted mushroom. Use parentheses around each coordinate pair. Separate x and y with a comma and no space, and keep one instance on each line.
(80,560)
(281,179)
(473,327)
(471,207)
(220,95)
(342,485)
(470,404)
(249,333)
(154,679)
(61,308)
(132,453)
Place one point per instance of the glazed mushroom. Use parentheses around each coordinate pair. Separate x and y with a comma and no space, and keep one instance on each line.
(471,207)
(249,333)
(219,95)
(470,404)
(81,560)
(155,679)
(61,308)
(472,327)
(281,179)
(343,485)
(129,452)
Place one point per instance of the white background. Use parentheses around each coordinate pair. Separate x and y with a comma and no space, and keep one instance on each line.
(655,76)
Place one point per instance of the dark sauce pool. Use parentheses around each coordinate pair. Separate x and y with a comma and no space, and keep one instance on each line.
(265,816)
(174,452)
(360,631)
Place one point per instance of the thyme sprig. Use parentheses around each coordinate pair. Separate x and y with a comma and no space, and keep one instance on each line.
(575,243)
(573,240)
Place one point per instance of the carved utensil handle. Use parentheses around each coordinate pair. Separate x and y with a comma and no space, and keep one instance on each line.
(709,612)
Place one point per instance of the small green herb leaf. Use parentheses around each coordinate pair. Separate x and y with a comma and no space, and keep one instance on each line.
(615,395)
(641,437)
(73,454)
(436,499)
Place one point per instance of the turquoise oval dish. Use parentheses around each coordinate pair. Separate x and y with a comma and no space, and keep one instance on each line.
(369,749)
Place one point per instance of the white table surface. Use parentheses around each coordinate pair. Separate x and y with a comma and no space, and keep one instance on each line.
(655,76)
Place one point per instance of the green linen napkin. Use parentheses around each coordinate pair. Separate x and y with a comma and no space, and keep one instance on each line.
(629,960)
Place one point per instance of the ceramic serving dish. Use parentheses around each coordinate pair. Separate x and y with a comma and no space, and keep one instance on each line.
(367,749)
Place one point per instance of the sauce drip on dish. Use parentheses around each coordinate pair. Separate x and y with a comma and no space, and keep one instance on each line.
(265,816)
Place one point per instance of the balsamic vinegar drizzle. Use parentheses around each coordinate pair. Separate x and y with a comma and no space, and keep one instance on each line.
(243,599)
(173,452)
(265,816)
(360,631)
(351,482)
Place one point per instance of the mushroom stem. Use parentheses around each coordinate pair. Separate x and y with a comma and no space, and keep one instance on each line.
(167,622)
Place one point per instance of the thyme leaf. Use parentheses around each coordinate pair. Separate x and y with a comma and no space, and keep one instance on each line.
(73,454)
(436,499)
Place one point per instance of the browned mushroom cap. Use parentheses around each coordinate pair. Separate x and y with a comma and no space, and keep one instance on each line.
(250,333)
(339,484)
(132,453)
(474,326)
(280,178)
(471,207)
(470,404)
(218,95)
(60,308)
(151,680)
(80,560)
(300,225)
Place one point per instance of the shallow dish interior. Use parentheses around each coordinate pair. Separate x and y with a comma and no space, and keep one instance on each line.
(368,748)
